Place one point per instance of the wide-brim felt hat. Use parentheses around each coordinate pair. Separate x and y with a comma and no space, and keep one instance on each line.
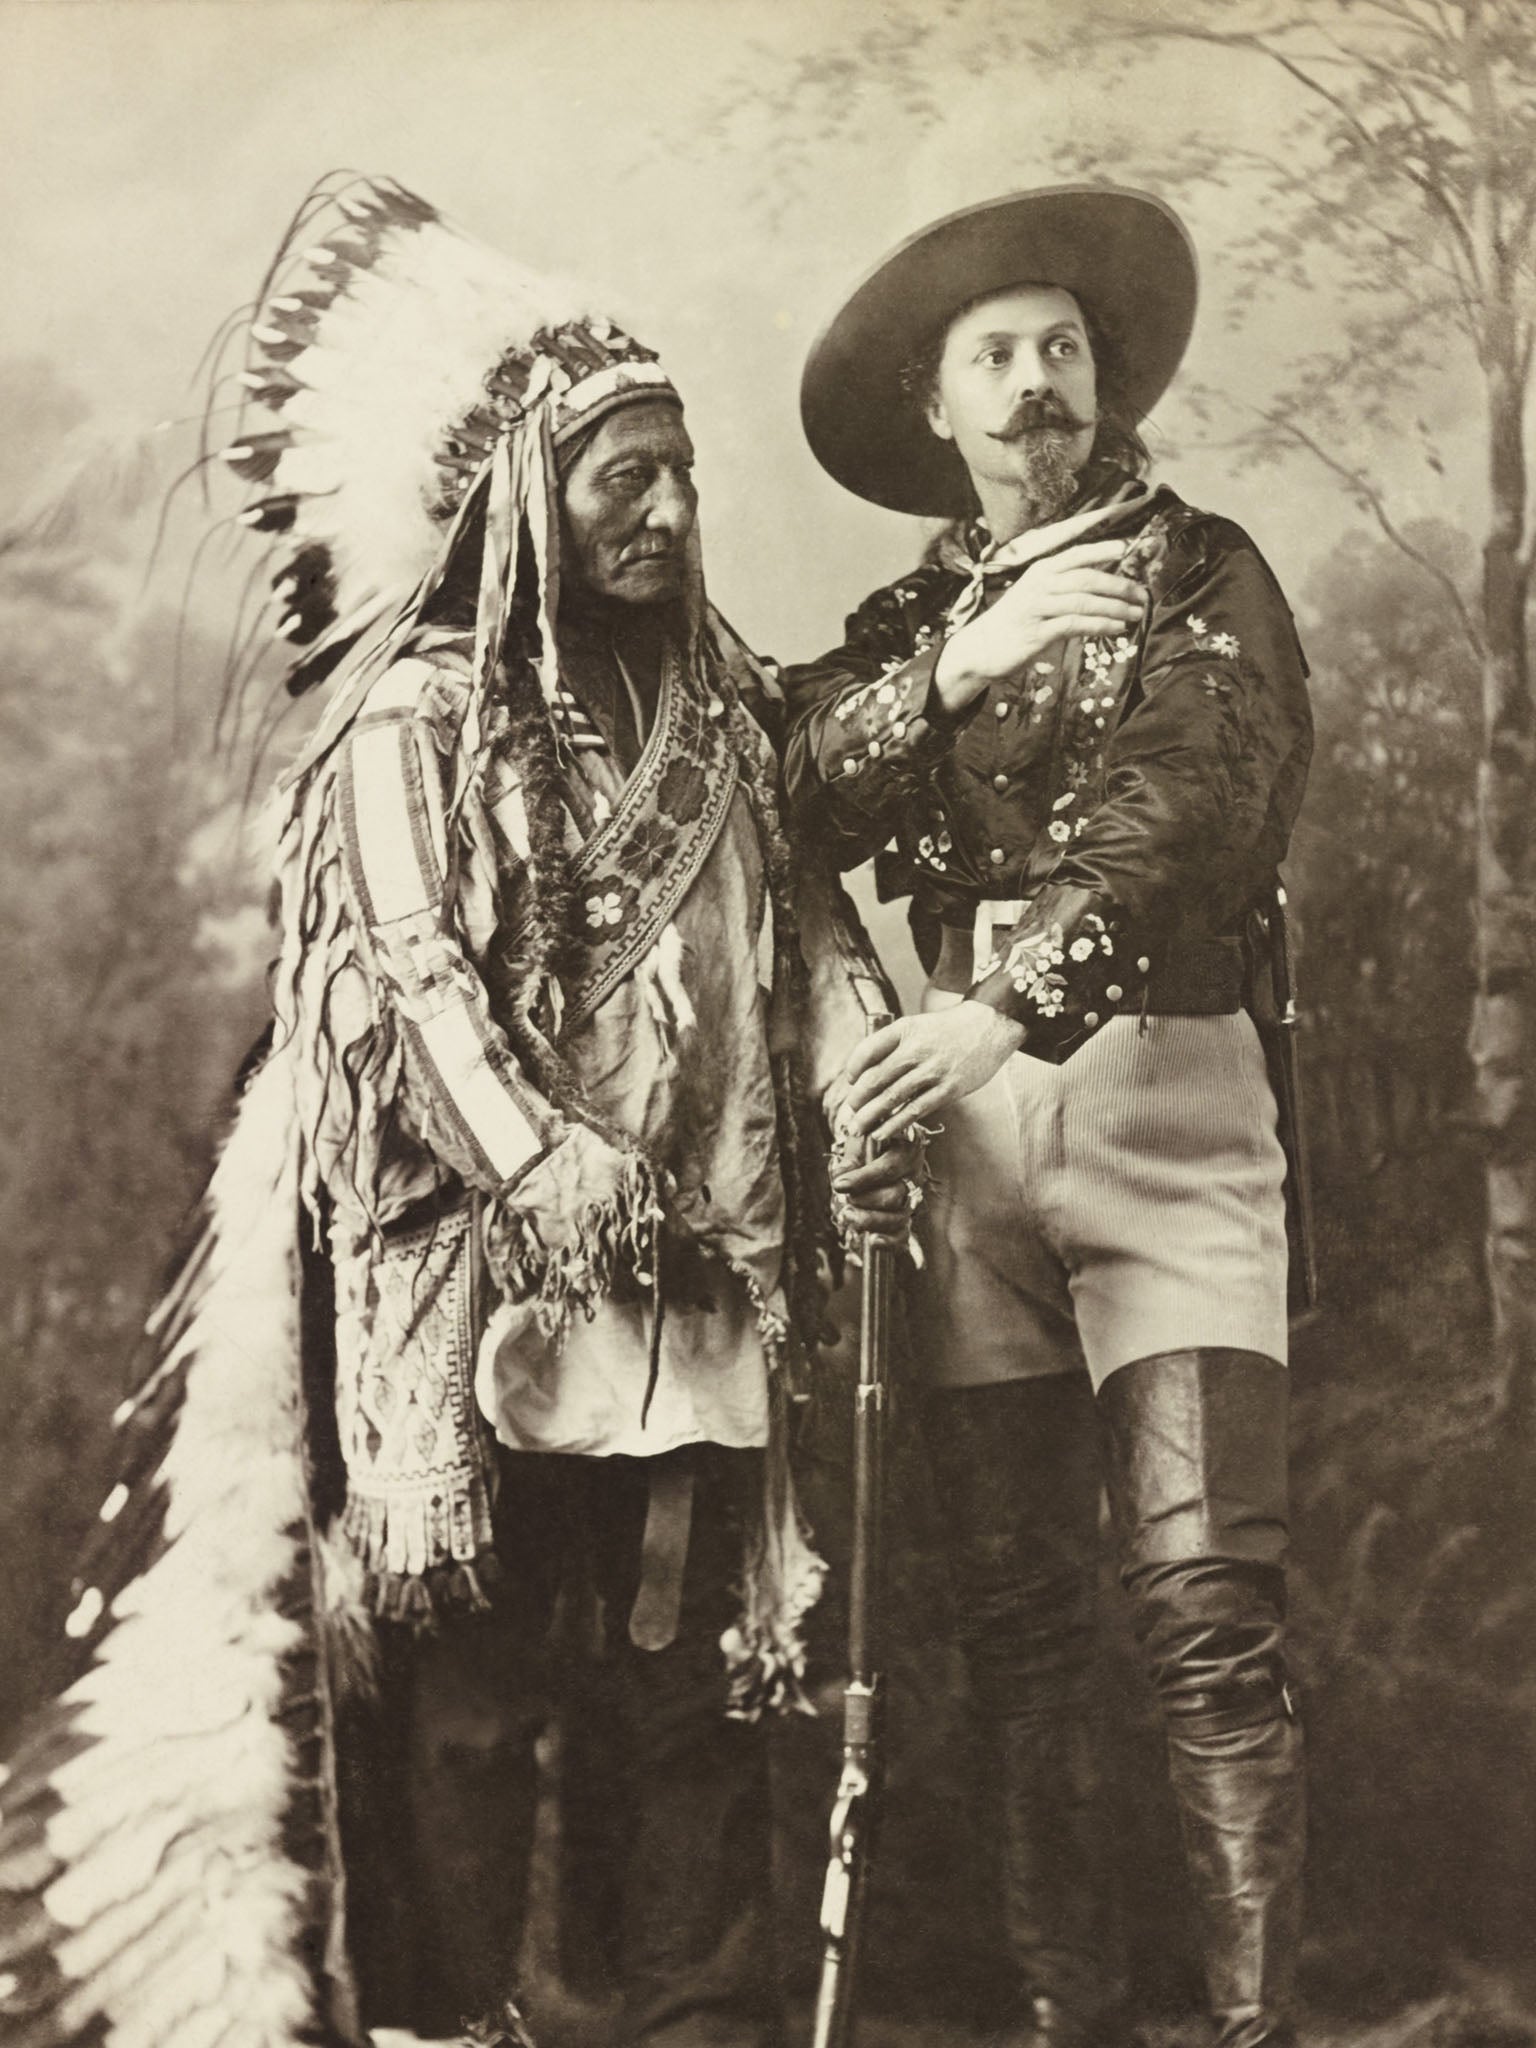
(1124,256)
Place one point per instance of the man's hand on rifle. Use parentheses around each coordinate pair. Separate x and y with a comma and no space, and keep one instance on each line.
(873,1191)
(915,1068)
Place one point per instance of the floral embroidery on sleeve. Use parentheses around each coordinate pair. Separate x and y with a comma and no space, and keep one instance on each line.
(883,720)
(1044,973)
(1225,644)
(1031,965)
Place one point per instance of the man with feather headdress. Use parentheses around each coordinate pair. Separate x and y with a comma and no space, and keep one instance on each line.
(513,1251)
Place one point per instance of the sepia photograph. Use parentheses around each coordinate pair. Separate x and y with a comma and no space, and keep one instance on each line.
(768,1126)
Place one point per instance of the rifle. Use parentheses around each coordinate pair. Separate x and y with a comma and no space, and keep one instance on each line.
(856,1803)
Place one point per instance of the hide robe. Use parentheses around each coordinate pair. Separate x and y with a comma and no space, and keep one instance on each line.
(439,1058)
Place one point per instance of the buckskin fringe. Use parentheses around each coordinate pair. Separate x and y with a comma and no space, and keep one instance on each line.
(610,1239)
(782,1578)
(782,1572)
(420,1600)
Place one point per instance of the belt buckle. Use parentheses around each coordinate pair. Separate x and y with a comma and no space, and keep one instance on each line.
(993,914)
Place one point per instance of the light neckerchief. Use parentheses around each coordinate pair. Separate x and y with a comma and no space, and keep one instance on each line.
(1003,561)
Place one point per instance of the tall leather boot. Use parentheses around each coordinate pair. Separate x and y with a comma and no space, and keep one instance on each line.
(1195,1463)
(1015,1469)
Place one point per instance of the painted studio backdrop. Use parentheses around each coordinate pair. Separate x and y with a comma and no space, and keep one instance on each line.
(1360,178)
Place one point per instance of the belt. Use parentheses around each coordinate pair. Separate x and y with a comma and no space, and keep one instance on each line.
(1190,977)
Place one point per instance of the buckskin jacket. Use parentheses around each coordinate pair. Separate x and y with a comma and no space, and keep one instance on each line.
(1114,814)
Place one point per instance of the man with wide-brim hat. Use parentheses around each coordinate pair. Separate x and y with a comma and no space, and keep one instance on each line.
(1077,735)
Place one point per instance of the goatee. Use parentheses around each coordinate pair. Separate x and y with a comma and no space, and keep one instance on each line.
(1049,481)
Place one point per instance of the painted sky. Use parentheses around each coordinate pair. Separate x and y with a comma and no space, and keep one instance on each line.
(154,148)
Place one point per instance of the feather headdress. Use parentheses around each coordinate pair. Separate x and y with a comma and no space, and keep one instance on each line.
(402,380)
(168,1846)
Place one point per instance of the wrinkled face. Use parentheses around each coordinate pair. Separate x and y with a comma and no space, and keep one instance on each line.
(630,505)
(1015,390)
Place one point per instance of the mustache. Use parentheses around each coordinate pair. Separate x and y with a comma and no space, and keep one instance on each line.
(1039,415)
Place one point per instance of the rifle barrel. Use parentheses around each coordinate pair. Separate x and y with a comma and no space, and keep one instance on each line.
(853,1812)
(866,1567)
(851,1832)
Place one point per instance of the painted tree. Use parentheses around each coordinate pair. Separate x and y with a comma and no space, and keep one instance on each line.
(1412,166)
(1382,867)
(1383,196)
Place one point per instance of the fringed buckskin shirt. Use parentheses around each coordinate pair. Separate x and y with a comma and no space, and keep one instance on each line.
(442,1163)
(1115,811)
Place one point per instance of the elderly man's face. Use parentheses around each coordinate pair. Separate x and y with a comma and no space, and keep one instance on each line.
(630,505)
(1016,391)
